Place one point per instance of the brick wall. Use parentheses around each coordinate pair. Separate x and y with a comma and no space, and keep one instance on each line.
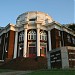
(60,38)
(65,38)
(1,46)
(55,38)
(11,44)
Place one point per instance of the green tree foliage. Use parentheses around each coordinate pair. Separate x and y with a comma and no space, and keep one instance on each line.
(72,27)
(1,28)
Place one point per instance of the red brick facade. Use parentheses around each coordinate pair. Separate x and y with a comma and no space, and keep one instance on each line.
(34,35)
(11,44)
(59,39)
(7,45)
(65,38)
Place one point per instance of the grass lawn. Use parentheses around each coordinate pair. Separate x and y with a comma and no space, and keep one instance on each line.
(5,70)
(53,72)
(46,72)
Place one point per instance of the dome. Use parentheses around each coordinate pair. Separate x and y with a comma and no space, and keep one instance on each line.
(33,16)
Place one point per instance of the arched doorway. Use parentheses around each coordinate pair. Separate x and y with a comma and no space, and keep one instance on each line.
(43,49)
(32,43)
(20,51)
(32,49)
(43,43)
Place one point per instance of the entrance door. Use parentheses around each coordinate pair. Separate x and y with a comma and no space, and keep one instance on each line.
(32,49)
(21,53)
(43,49)
(20,50)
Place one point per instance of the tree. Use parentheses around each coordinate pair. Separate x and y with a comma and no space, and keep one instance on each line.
(72,27)
(1,28)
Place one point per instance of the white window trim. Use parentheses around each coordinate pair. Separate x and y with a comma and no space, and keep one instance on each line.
(43,36)
(31,34)
(21,37)
(31,43)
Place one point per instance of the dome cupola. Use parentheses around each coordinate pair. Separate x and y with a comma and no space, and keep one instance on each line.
(33,16)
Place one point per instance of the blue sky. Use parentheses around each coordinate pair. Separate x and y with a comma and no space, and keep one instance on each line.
(61,11)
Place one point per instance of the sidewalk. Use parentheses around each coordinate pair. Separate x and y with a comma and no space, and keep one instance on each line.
(16,73)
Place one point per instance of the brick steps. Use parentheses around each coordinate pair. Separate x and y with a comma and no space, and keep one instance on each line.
(26,63)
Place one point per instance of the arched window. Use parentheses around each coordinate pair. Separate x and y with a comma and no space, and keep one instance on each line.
(21,37)
(32,35)
(43,36)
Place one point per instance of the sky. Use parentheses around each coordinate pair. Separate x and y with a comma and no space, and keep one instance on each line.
(61,11)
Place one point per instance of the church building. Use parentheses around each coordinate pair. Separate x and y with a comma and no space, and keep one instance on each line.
(35,34)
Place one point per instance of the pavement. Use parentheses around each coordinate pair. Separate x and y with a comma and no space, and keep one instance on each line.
(16,73)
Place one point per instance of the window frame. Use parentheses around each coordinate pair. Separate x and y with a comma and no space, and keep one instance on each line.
(43,36)
(21,36)
(32,35)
